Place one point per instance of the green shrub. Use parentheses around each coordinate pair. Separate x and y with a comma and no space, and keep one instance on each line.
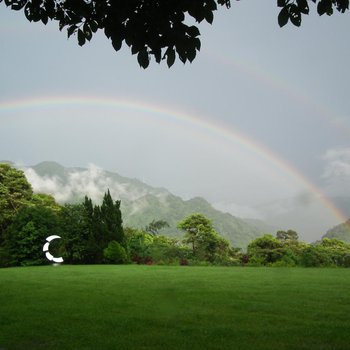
(346,260)
(284,262)
(224,260)
(197,262)
(316,256)
(115,253)
(256,261)
(5,258)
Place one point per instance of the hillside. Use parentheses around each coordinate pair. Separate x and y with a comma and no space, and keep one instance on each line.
(172,209)
(341,232)
(141,203)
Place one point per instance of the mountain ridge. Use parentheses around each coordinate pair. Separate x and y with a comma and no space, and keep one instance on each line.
(341,232)
(140,202)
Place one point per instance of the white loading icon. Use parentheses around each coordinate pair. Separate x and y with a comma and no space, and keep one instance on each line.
(46,250)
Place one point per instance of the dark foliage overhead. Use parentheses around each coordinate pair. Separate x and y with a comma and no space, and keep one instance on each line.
(293,9)
(150,27)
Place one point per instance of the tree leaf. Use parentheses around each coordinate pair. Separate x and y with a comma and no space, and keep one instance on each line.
(44,18)
(197,43)
(325,6)
(93,26)
(117,43)
(303,6)
(342,5)
(71,30)
(87,31)
(295,15)
(27,12)
(193,31)
(182,56)
(81,37)
(128,40)
(157,52)
(211,4)
(283,17)
(170,53)
(134,49)
(50,8)
(191,54)
(17,5)
(143,58)
(209,16)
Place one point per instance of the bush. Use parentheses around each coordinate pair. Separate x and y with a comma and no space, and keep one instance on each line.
(286,261)
(256,261)
(197,262)
(346,260)
(265,250)
(183,262)
(5,258)
(115,253)
(224,260)
(316,256)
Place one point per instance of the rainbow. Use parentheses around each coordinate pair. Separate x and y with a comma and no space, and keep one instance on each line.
(202,125)
(324,114)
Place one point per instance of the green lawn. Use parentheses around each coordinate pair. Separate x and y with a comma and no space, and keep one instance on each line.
(165,307)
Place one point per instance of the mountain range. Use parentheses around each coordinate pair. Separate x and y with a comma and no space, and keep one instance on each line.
(140,203)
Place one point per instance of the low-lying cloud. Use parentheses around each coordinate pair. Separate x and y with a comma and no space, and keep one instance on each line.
(92,182)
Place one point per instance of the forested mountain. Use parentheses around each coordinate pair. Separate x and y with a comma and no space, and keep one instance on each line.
(341,232)
(140,203)
(172,208)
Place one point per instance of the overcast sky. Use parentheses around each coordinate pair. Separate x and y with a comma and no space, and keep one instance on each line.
(274,102)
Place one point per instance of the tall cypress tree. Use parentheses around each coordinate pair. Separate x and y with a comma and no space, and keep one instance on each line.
(105,225)
(92,245)
(112,220)
(89,209)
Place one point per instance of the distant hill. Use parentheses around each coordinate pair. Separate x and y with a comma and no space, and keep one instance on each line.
(172,209)
(141,203)
(52,169)
(7,162)
(341,232)
(263,226)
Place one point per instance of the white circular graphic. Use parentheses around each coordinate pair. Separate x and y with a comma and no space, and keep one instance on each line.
(46,250)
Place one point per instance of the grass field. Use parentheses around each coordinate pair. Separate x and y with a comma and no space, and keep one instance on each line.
(156,307)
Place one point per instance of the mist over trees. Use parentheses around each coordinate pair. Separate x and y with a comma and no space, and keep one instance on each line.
(94,234)
(27,219)
(151,29)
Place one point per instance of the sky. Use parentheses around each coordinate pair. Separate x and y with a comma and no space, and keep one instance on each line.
(258,124)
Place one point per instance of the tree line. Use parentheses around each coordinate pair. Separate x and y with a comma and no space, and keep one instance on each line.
(94,234)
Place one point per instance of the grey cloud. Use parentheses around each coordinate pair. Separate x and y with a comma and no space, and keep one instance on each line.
(336,172)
